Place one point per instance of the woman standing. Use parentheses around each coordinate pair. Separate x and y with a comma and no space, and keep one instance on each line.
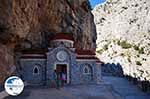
(63,78)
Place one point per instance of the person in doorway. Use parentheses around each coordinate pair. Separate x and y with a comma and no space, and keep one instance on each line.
(59,75)
(56,78)
(63,78)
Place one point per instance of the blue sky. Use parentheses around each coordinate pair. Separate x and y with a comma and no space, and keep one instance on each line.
(95,2)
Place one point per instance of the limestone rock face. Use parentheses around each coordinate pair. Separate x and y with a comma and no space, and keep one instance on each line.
(6,62)
(123,28)
(27,24)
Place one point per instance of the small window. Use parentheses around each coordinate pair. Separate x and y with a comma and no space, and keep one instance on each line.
(87,69)
(36,70)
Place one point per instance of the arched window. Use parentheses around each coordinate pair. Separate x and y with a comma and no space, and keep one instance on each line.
(87,69)
(36,70)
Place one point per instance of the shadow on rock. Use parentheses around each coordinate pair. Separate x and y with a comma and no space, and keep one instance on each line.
(112,69)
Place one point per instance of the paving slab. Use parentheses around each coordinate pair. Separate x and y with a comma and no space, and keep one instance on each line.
(110,88)
(68,92)
(125,88)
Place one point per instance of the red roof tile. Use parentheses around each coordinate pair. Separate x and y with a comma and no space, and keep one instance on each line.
(84,57)
(62,36)
(34,54)
(85,52)
(34,51)
(33,57)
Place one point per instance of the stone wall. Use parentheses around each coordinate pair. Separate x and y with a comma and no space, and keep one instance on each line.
(27,73)
(7,67)
(52,61)
(87,78)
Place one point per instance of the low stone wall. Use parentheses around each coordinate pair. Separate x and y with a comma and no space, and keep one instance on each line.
(142,84)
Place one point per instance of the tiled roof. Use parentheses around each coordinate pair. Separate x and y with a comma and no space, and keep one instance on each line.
(84,57)
(62,36)
(85,52)
(34,53)
(33,57)
(90,58)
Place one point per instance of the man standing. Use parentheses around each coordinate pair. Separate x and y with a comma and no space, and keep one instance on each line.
(57,78)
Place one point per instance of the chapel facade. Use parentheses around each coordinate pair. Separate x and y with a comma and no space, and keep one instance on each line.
(81,66)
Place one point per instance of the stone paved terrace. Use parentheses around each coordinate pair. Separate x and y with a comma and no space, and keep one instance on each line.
(111,88)
(125,89)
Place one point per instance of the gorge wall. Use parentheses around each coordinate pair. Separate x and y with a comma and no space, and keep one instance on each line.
(27,23)
(123,28)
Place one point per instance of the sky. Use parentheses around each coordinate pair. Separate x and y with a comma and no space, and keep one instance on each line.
(95,2)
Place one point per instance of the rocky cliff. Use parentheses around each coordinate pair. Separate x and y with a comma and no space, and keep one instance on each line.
(123,28)
(27,23)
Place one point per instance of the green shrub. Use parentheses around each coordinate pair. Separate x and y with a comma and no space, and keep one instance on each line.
(106,47)
(125,44)
(138,63)
(140,72)
(114,41)
(122,54)
(141,50)
(129,59)
(118,42)
(115,52)
(100,51)
(136,47)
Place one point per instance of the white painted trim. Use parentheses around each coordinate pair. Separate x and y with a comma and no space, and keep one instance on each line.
(68,69)
(72,48)
(64,40)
